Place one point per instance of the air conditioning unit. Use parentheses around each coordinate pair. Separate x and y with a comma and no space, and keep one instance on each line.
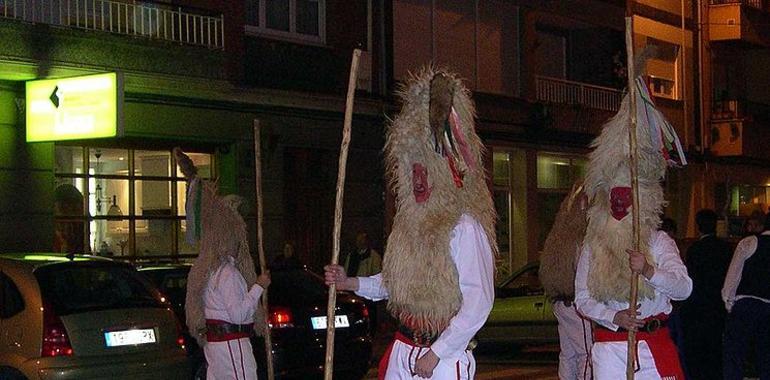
(727,138)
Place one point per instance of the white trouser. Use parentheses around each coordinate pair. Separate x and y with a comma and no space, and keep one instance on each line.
(574,341)
(403,356)
(230,360)
(609,359)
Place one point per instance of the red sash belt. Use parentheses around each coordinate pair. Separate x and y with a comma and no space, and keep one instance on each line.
(223,331)
(661,346)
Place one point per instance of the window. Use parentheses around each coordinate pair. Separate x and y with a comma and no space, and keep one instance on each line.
(555,175)
(510,198)
(664,69)
(121,202)
(11,302)
(296,20)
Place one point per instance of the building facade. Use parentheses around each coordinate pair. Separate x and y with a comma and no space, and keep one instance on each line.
(195,74)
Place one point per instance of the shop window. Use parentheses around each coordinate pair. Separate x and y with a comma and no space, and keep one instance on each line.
(128,202)
(555,176)
(510,199)
(298,20)
(664,69)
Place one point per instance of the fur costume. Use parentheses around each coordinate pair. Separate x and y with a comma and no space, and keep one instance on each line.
(436,129)
(609,278)
(221,231)
(562,246)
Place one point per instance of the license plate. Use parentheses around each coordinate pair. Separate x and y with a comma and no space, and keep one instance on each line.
(129,337)
(320,322)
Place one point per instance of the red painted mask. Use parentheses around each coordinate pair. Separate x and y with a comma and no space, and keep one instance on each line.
(620,201)
(420,186)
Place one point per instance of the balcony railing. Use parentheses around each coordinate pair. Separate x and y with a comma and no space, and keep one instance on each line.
(135,18)
(553,90)
(758,4)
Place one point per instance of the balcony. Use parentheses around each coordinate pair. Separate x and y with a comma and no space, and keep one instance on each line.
(736,129)
(559,91)
(132,18)
(747,21)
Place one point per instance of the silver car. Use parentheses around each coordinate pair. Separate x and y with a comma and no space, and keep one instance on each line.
(84,317)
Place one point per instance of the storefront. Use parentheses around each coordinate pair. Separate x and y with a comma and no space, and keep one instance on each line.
(529,186)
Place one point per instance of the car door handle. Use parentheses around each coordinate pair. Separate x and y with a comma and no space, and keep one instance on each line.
(538,304)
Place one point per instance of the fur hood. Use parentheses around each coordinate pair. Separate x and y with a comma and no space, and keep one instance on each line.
(418,270)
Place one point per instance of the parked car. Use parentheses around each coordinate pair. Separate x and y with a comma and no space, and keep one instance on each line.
(521,313)
(84,317)
(297,299)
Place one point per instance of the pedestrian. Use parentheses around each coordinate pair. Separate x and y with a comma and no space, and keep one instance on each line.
(223,289)
(286,260)
(755,224)
(746,295)
(703,314)
(609,258)
(364,260)
(438,270)
(557,275)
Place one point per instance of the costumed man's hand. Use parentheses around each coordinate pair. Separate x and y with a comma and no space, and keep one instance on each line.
(263,280)
(627,319)
(425,365)
(639,264)
(335,274)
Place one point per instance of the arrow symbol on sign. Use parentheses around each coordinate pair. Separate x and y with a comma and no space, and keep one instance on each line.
(55,95)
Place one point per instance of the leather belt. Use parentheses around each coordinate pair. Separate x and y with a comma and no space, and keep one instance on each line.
(651,325)
(217,330)
(420,340)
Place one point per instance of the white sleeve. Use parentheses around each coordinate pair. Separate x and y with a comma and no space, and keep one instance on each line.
(670,277)
(475,266)
(743,251)
(586,305)
(371,288)
(239,303)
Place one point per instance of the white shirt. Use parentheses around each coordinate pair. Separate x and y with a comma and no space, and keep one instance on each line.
(743,251)
(670,282)
(473,258)
(226,297)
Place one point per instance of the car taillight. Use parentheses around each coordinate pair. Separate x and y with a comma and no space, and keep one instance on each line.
(55,339)
(179,332)
(364,311)
(280,317)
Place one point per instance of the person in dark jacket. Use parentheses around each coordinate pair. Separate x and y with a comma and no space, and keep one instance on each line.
(703,314)
(746,294)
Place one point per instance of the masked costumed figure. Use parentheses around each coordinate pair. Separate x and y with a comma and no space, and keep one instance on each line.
(223,290)
(439,263)
(557,274)
(603,279)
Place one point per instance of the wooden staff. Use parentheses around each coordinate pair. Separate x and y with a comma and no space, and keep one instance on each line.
(329,366)
(261,248)
(634,158)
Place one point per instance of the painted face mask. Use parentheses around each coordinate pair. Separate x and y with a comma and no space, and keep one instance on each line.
(420,187)
(620,201)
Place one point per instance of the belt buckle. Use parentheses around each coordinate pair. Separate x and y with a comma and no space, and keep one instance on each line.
(653,325)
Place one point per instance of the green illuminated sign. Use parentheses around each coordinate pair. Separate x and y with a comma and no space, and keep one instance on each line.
(76,108)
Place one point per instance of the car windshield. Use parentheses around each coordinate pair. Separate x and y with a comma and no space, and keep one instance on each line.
(77,287)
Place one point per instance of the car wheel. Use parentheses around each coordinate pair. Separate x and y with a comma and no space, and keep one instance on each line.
(11,374)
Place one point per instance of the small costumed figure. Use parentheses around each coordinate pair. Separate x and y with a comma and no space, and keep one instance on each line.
(557,274)
(438,270)
(223,289)
(603,279)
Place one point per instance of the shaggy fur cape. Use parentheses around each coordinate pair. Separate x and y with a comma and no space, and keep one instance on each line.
(609,277)
(223,233)
(562,247)
(418,271)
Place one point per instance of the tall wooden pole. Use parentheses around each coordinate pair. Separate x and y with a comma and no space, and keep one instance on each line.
(329,365)
(260,246)
(634,156)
